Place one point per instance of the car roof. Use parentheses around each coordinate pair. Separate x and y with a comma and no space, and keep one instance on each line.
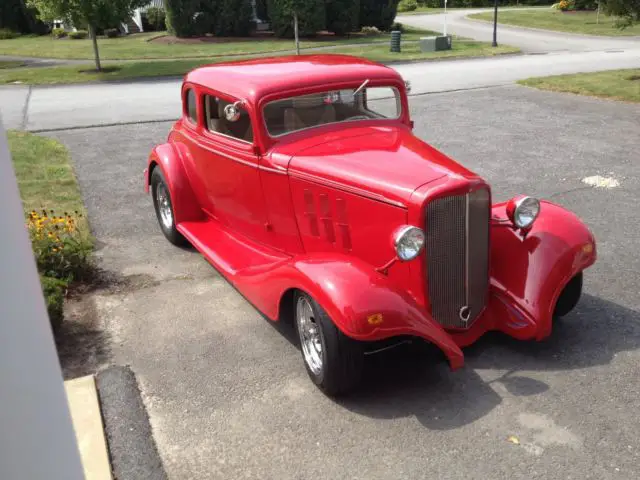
(253,79)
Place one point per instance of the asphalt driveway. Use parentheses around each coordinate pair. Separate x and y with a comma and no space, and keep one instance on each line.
(227,393)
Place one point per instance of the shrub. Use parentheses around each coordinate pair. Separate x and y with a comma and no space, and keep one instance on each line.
(232,17)
(586,4)
(567,5)
(342,15)
(407,6)
(6,34)
(370,31)
(53,290)
(180,16)
(78,34)
(59,32)
(311,16)
(261,10)
(61,250)
(154,19)
(378,13)
(397,26)
(112,32)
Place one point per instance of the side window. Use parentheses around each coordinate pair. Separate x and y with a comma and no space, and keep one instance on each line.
(191,105)
(216,121)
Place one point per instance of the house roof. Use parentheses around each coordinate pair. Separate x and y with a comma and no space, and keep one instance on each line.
(253,79)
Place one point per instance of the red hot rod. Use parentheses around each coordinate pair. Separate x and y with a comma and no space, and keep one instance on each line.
(300,180)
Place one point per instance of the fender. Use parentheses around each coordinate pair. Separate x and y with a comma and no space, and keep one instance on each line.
(530,271)
(364,304)
(169,158)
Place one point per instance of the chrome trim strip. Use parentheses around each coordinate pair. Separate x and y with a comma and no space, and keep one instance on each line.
(466,253)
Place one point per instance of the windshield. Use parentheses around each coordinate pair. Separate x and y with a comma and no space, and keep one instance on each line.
(334,106)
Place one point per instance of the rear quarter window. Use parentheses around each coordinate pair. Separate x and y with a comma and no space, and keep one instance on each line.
(191,105)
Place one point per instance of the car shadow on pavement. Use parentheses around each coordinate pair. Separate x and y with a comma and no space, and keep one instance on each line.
(83,346)
(417,382)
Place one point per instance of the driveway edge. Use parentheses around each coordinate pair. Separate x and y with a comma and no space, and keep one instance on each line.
(132,449)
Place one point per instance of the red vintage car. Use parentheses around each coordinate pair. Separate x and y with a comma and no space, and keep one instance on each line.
(300,180)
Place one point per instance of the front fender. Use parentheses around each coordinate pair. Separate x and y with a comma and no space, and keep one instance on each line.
(169,158)
(364,304)
(530,272)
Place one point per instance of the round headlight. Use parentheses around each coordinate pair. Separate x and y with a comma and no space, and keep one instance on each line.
(408,241)
(523,211)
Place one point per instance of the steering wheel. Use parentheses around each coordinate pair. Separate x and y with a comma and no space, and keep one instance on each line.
(358,117)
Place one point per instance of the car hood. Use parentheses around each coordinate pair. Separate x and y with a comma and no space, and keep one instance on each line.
(389,163)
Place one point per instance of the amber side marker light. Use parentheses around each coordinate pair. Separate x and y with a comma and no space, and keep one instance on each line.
(523,211)
(375,319)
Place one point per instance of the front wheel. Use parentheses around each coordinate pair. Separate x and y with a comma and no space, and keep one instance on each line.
(333,361)
(164,208)
(569,297)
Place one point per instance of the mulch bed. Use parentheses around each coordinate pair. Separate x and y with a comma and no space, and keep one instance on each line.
(170,39)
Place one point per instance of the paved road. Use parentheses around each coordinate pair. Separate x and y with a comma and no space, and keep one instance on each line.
(46,108)
(228,395)
(529,40)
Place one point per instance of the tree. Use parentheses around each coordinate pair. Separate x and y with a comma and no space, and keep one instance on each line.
(93,13)
(378,13)
(627,10)
(342,15)
(311,16)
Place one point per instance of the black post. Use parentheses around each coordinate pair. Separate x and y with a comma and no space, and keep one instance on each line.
(495,24)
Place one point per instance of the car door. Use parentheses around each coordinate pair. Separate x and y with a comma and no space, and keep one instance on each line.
(228,167)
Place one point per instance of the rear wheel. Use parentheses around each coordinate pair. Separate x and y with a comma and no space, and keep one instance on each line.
(164,208)
(333,360)
(569,297)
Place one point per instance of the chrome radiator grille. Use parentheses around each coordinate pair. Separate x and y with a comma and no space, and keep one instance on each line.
(457,229)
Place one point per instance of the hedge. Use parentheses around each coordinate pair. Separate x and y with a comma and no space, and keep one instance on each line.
(311,16)
(16,16)
(188,18)
(378,13)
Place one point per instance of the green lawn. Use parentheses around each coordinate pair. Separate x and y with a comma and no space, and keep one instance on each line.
(129,70)
(411,51)
(44,173)
(548,19)
(614,84)
(138,46)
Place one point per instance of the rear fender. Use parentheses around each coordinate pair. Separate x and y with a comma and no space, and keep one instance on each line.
(169,158)
(530,272)
(363,303)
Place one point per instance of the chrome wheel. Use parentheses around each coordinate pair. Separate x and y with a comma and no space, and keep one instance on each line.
(310,335)
(164,206)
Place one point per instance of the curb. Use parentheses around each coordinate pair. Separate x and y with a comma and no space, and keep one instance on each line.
(84,407)
(132,449)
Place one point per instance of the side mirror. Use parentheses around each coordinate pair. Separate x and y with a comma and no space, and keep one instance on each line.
(232,111)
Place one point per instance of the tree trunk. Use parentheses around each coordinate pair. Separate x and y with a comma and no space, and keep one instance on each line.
(94,39)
